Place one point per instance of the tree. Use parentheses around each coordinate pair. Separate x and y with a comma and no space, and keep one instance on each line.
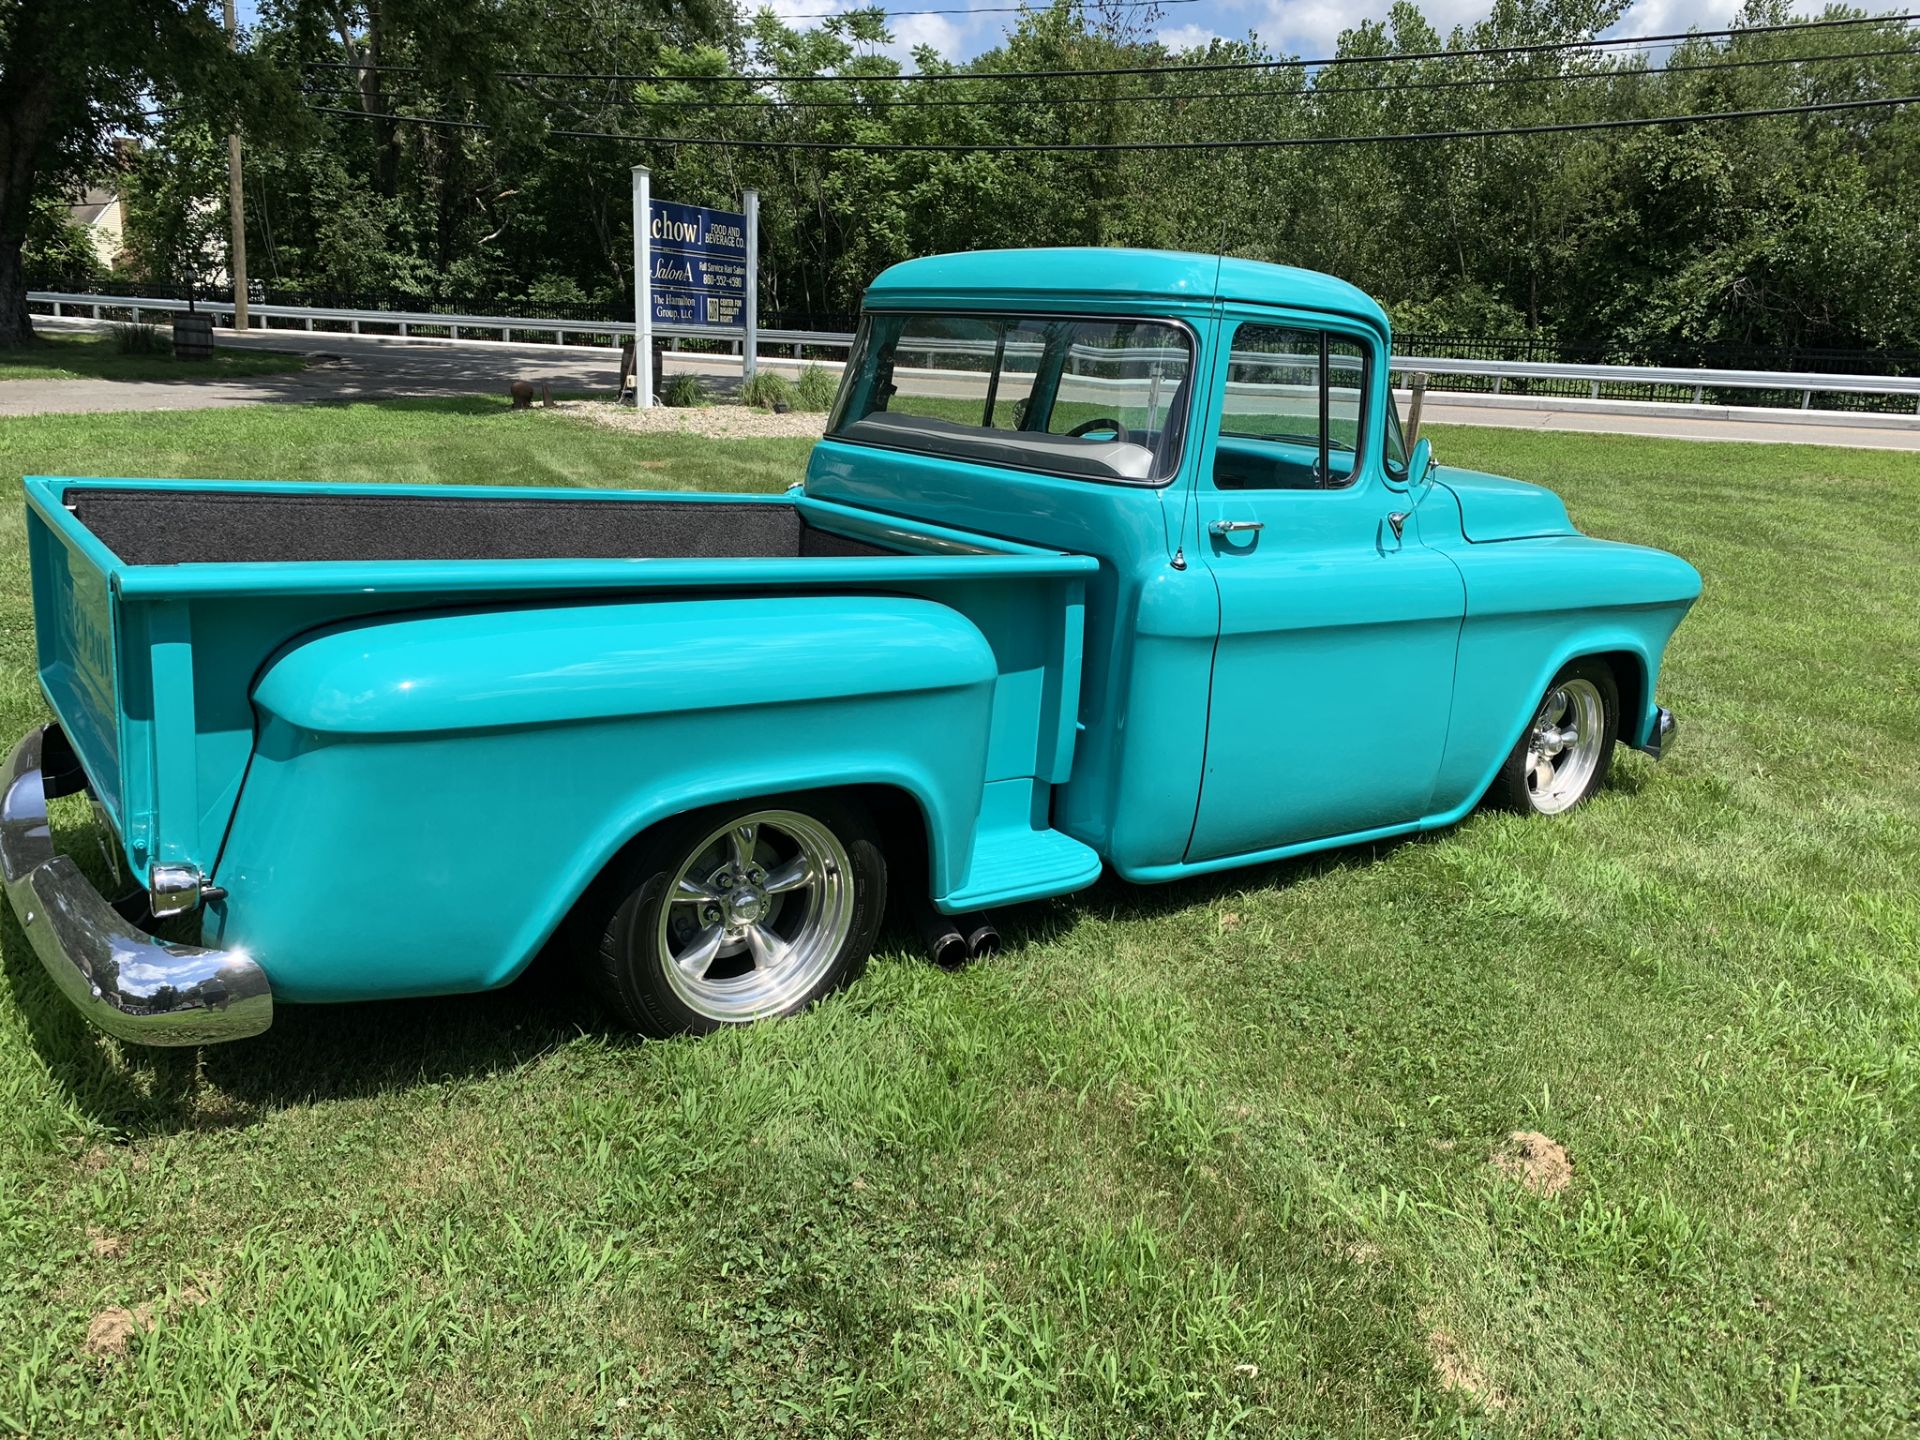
(58,248)
(73,76)
(176,210)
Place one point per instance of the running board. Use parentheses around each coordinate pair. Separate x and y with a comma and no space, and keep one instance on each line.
(1010,866)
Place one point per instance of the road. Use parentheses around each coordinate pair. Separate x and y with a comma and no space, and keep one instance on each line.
(341,369)
(345,368)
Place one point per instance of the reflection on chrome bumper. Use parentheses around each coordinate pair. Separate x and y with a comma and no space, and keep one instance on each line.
(1660,738)
(131,985)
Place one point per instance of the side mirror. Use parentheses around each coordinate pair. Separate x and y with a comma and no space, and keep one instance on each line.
(1420,462)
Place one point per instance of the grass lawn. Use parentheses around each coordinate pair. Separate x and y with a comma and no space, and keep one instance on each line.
(1212,1158)
(93,357)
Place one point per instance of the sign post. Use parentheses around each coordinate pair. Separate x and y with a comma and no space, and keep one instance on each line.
(642,300)
(750,353)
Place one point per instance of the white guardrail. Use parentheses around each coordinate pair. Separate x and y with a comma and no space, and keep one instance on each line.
(1805,384)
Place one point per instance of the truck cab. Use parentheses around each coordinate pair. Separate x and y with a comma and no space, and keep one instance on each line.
(1299,634)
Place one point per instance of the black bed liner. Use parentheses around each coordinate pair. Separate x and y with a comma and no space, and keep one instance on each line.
(179,527)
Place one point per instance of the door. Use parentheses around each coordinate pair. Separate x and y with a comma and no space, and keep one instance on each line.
(1333,676)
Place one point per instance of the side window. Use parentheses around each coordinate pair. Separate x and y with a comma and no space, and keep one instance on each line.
(1293,411)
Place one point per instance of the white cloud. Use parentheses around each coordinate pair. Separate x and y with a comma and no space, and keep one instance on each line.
(912,31)
(1669,17)
(1313,27)
(801,14)
(1188,37)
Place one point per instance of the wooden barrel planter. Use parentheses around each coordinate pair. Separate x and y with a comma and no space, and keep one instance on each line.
(193,337)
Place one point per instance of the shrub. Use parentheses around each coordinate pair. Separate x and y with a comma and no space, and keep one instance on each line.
(815,389)
(683,392)
(766,390)
(141,339)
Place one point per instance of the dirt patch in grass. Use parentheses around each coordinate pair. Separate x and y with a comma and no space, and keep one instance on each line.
(1541,1164)
(107,1247)
(110,1333)
(1459,1371)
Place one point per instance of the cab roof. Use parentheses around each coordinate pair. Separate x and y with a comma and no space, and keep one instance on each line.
(1005,279)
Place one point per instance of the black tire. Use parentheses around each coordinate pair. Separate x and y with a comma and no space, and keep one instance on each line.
(619,927)
(1517,787)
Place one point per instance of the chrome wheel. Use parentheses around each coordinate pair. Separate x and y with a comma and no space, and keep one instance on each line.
(1564,745)
(756,915)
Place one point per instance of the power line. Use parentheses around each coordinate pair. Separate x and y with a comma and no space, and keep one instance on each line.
(975,10)
(1202,67)
(1488,81)
(1095,147)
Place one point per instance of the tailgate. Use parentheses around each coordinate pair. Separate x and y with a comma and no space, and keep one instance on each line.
(74,620)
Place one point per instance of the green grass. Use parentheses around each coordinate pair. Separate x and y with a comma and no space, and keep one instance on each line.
(1205,1159)
(94,357)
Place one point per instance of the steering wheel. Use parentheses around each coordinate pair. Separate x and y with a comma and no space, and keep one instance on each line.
(1101,422)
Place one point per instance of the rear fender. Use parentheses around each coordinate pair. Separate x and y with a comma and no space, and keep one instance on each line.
(430,795)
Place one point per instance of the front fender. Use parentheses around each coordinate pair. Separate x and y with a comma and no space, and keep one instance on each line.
(1532,606)
(430,794)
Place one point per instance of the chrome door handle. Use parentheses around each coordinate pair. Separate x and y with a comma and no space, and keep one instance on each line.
(1398,520)
(1227,527)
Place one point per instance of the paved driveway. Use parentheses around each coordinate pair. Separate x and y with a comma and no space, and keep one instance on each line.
(341,368)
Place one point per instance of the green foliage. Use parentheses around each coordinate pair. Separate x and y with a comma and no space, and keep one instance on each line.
(1649,244)
(141,339)
(767,390)
(57,247)
(78,77)
(683,391)
(815,390)
(177,229)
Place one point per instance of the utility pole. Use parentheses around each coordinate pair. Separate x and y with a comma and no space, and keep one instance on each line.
(236,203)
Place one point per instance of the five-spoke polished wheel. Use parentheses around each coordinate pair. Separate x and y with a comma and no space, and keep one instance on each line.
(1563,745)
(1567,748)
(737,913)
(756,915)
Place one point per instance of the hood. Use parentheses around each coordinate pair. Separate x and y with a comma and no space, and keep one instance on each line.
(1495,508)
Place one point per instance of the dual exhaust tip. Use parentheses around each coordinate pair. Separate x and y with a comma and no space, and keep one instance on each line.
(955,940)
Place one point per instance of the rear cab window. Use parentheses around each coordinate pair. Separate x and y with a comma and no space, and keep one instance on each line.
(1085,397)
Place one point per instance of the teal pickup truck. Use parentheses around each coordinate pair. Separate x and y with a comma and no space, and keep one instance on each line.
(1108,559)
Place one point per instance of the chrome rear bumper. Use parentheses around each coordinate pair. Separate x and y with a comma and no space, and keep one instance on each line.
(131,985)
(1660,737)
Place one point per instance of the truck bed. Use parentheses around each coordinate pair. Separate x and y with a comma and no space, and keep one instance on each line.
(226,526)
(159,603)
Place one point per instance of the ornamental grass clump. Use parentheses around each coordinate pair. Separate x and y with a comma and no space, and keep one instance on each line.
(683,392)
(140,339)
(767,391)
(815,389)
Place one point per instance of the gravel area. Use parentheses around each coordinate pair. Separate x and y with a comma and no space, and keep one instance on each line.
(717,422)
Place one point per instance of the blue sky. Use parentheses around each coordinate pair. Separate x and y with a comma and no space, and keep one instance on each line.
(1299,27)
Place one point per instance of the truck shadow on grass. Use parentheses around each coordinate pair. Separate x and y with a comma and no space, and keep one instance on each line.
(317,1053)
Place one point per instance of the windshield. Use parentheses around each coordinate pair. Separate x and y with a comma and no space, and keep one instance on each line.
(1089,398)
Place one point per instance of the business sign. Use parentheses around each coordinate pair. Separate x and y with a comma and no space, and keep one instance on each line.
(699,274)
